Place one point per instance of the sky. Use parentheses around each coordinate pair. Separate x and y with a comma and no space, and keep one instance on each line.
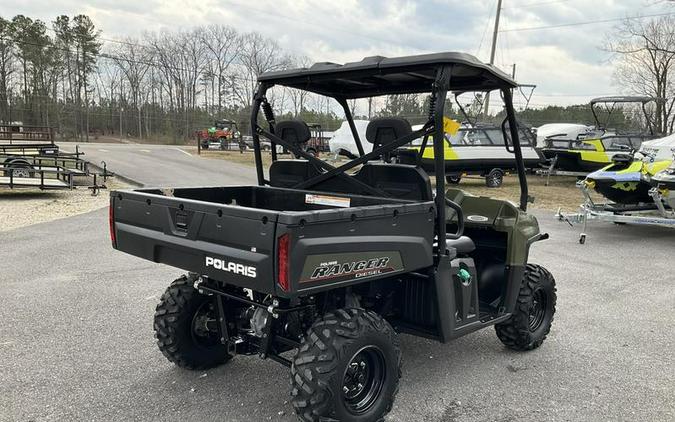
(567,63)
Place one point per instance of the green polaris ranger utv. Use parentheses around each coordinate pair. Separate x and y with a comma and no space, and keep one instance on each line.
(320,266)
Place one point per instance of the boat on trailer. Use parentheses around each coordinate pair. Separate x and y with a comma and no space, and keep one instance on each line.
(476,149)
(595,150)
(628,179)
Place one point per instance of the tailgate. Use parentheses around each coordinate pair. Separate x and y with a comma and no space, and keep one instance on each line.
(225,242)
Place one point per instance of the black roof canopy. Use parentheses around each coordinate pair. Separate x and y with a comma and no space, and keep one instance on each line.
(379,75)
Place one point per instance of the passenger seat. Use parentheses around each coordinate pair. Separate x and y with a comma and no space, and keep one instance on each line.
(398,180)
(288,173)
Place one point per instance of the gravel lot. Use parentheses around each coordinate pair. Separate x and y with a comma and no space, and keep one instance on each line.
(23,207)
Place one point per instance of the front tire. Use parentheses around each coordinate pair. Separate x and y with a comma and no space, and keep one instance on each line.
(347,368)
(186,329)
(531,320)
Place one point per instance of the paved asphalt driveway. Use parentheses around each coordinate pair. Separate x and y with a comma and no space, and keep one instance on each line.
(161,165)
(76,340)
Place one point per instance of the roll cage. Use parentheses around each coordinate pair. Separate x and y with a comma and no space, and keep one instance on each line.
(436,74)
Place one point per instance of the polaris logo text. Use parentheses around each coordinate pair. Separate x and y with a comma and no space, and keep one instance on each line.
(357,269)
(231,267)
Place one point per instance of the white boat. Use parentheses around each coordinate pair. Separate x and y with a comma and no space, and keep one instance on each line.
(475,149)
(563,131)
(344,140)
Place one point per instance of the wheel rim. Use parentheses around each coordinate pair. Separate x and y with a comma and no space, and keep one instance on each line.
(495,179)
(203,331)
(363,379)
(21,172)
(538,309)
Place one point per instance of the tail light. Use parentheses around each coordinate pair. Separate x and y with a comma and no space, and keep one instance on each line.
(283,256)
(111,223)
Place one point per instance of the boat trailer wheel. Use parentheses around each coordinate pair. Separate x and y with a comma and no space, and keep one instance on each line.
(495,178)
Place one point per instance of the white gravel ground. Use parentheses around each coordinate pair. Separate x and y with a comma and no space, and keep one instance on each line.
(24,207)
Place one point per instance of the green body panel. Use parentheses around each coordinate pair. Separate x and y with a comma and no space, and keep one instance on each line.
(520,227)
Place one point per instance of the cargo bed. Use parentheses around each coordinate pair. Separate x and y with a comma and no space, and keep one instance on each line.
(274,240)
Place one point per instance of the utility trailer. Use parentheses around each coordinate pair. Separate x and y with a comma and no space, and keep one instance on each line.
(29,158)
(319,267)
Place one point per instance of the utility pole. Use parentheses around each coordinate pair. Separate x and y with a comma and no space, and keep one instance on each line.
(492,51)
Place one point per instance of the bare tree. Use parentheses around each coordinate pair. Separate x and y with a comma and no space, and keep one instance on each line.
(6,67)
(134,61)
(258,55)
(298,96)
(645,51)
(223,44)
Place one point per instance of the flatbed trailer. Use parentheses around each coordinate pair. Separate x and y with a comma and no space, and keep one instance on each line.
(44,178)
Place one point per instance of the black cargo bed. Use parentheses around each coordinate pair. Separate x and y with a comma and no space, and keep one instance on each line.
(207,229)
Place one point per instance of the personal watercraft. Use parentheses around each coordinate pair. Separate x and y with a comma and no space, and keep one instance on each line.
(664,181)
(628,179)
(596,149)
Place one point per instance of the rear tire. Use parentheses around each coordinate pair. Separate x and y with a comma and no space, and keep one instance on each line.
(347,368)
(532,318)
(181,320)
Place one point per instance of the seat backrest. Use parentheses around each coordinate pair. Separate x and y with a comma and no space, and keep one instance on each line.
(384,130)
(293,131)
(398,180)
(288,173)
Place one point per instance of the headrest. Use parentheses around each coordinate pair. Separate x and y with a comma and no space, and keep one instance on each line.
(293,131)
(384,130)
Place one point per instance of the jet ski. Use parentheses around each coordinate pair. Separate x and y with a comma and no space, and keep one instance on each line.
(595,149)
(628,179)
(664,181)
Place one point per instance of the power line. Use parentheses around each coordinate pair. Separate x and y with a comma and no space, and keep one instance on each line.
(563,25)
(487,24)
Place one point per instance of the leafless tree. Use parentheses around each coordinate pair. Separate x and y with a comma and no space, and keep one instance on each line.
(645,51)
(223,44)
(299,97)
(258,55)
(134,61)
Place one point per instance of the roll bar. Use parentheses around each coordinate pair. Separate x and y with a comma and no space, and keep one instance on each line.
(433,127)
